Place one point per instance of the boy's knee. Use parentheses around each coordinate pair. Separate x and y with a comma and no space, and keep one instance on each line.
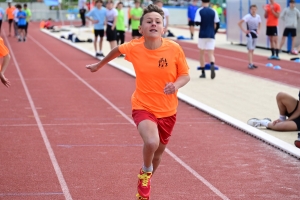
(152,145)
(281,95)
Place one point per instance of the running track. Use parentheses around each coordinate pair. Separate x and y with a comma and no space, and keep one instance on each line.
(67,135)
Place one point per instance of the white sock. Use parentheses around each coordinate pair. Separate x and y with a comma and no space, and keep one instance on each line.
(147,169)
(282,117)
(264,122)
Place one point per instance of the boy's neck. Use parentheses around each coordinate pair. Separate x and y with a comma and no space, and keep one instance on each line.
(153,44)
(205,4)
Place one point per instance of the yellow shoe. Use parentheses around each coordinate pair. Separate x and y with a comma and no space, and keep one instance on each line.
(143,186)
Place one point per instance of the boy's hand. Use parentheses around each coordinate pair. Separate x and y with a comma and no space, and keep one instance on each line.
(4,80)
(93,67)
(170,88)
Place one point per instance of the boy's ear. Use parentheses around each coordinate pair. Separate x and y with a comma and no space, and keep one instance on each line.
(140,30)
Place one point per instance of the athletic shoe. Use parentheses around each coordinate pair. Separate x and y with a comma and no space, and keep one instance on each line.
(257,122)
(212,70)
(250,66)
(24,39)
(139,197)
(297,143)
(276,58)
(121,56)
(19,40)
(143,186)
(202,76)
(271,58)
(254,66)
(101,55)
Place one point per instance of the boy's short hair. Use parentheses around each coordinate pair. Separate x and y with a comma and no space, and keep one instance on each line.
(151,8)
(110,1)
(206,1)
(253,6)
(292,1)
(158,1)
(25,5)
(137,1)
(98,1)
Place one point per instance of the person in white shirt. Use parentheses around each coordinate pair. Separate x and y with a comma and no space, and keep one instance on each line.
(159,3)
(16,19)
(253,22)
(111,18)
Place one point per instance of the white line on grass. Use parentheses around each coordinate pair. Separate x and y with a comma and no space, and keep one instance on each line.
(183,164)
(54,162)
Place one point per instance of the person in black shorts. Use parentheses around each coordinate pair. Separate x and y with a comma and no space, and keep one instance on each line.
(192,9)
(289,115)
(111,18)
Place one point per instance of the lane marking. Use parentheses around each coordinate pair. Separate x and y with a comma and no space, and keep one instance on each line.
(71,124)
(99,145)
(182,163)
(54,162)
(31,194)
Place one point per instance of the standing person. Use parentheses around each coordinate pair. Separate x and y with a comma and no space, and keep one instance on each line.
(290,16)
(161,69)
(28,16)
(4,53)
(272,13)
(253,23)
(120,26)
(207,18)
(16,19)
(136,14)
(111,18)
(82,11)
(191,16)
(98,17)
(21,15)
(129,17)
(160,3)
(1,17)
(10,17)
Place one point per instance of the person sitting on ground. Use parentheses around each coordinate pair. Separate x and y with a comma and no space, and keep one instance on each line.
(48,24)
(289,115)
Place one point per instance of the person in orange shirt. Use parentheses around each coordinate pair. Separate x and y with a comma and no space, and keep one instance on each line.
(161,69)
(6,57)
(10,17)
(272,14)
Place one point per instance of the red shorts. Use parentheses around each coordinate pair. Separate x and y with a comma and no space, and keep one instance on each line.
(164,125)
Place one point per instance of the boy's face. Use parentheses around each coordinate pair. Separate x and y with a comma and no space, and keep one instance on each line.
(253,10)
(109,6)
(292,5)
(98,4)
(137,4)
(159,4)
(152,25)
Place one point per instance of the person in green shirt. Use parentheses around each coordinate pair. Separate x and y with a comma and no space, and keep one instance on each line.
(120,26)
(28,15)
(136,13)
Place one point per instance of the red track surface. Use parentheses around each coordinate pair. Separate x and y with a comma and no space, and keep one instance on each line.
(99,151)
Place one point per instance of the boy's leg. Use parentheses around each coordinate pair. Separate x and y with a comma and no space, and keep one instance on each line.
(95,43)
(293,44)
(283,39)
(283,126)
(286,103)
(157,156)
(113,44)
(101,44)
(149,133)
(202,62)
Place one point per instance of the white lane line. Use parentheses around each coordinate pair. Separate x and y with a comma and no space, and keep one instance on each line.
(183,164)
(54,162)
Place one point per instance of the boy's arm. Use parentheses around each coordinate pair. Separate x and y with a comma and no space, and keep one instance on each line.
(276,13)
(4,66)
(115,22)
(112,55)
(171,88)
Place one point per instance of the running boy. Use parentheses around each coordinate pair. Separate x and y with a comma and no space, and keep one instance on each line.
(272,13)
(253,22)
(10,17)
(290,16)
(207,18)
(6,57)
(161,69)
(98,17)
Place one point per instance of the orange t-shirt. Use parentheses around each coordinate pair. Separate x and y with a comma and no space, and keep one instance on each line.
(154,69)
(3,49)
(9,12)
(272,20)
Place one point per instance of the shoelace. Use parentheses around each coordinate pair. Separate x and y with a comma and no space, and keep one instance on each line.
(145,179)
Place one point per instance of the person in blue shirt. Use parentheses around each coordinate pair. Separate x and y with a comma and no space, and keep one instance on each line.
(21,24)
(207,18)
(98,17)
(192,9)
(1,17)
